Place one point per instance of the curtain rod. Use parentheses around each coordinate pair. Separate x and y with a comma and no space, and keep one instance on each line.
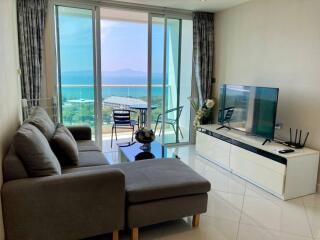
(133,6)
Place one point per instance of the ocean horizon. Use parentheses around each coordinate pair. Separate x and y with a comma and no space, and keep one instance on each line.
(124,83)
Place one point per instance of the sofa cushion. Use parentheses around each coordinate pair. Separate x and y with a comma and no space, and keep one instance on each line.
(40,118)
(34,150)
(13,167)
(87,159)
(73,169)
(91,158)
(87,145)
(67,131)
(157,179)
(64,146)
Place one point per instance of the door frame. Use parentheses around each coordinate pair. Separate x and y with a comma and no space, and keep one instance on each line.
(95,7)
(150,31)
(165,17)
(96,59)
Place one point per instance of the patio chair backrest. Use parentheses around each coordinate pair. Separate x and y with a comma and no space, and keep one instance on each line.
(176,112)
(121,117)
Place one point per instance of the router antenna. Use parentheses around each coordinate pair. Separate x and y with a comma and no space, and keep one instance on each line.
(295,138)
(305,140)
(290,136)
(300,137)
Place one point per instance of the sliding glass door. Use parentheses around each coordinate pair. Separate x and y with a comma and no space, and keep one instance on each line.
(111,58)
(157,29)
(172,109)
(124,67)
(170,81)
(185,78)
(76,65)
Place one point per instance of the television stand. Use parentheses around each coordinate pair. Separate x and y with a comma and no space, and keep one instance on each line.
(223,126)
(286,176)
(265,141)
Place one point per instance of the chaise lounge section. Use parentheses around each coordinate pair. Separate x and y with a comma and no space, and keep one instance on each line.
(161,190)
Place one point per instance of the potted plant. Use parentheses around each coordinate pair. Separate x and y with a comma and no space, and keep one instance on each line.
(203,113)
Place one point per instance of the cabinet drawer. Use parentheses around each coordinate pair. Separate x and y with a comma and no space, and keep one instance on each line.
(213,149)
(258,169)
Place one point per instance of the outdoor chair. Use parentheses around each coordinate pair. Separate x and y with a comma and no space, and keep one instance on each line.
(227,115)
(171,117)
(122,119)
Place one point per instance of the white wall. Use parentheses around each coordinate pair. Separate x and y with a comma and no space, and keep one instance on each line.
(275,43)
(9,82)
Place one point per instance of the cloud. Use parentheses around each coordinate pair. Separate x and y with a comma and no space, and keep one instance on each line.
(106,28)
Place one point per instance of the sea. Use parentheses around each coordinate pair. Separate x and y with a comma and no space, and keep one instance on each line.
(125,83)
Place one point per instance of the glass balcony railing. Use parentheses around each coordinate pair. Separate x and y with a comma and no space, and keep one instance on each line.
(78,105)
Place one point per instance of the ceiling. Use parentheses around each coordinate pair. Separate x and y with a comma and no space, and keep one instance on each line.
(193,5)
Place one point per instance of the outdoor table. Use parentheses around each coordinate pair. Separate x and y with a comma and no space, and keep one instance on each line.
(142,108)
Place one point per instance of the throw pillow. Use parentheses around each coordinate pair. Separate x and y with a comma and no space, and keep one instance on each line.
(65,146)
(34,150)
(40,118)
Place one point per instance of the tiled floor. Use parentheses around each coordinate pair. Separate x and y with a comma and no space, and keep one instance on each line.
(238,210)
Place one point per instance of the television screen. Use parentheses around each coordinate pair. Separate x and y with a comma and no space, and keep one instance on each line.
(249,109)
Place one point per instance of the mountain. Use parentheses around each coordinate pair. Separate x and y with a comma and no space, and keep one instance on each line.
(124,72)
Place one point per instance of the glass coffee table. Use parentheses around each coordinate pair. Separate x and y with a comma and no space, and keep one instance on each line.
(130,152)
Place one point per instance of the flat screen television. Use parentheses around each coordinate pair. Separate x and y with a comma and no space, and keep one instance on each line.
(249,109)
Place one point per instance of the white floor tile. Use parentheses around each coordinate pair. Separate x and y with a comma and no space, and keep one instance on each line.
(225,206)
(313,214)
(249,232)
(189,157)
(312,200)
(284,216)
(153,232)
(209,229)
(197,164)
(222,180)
(255,191)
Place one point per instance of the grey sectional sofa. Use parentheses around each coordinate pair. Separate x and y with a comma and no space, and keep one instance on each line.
(92,198)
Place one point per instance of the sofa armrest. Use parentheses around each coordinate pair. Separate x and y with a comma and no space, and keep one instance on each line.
(80,132)
(68,206)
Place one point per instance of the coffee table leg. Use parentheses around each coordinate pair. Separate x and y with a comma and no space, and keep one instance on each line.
(134,233)
(143,118)
(115,235)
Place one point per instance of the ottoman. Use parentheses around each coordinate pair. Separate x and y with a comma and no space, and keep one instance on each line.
(160,190)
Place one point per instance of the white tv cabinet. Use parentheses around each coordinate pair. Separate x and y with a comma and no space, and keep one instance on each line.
(286,176)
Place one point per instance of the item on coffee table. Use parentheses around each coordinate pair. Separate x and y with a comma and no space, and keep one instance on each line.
(145,136)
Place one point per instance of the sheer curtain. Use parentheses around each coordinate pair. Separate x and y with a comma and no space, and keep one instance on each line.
(203,53)
(31,16)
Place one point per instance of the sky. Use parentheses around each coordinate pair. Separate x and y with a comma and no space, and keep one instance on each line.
(124,45)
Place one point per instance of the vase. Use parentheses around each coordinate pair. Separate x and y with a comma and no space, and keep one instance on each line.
(144,136)
(146,147)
